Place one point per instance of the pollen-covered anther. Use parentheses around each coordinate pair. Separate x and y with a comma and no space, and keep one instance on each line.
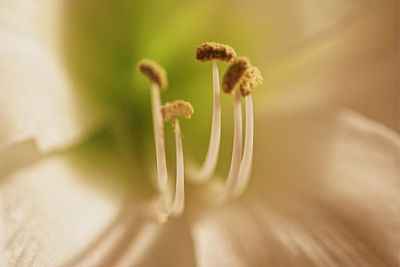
(250,80)
(212,50)
(175,109)
(234,73)
(154,72)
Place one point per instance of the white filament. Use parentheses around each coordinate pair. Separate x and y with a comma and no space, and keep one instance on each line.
(162,174)
(207,169)
(231,181)
(245,166)
(179,201)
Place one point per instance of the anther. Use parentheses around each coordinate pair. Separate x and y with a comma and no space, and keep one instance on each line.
(154,72)
(171,112)
(212,50)
(158,78)
(206,52)
(234,73)
(174,110)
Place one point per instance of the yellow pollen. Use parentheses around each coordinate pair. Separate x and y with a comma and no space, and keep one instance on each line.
(175,109)
(154,72)
(250,80)
(212,50)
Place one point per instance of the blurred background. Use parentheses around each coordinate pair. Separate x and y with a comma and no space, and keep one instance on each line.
(313,55)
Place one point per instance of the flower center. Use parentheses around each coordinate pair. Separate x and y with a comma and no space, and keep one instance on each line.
(240,79)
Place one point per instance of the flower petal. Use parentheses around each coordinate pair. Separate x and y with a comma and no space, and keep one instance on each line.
(324,193)
(299,152)
(48,215)
(161,245)
(281,27)
(354,64)
(228,237)
(16,156)
(36,98)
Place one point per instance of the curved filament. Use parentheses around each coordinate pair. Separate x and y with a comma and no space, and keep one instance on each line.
(245,166)
(179,201)
(162,174)
(232,179)
(207,169)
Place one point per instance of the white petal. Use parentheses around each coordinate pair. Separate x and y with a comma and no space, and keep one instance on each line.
(48,215)
(167,245)
(295,150)
(352,64)
(36,97)
(138,242)
(324,193)
(281,27)
(225,237)
(16,156)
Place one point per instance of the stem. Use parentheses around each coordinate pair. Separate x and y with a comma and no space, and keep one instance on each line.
(245,167)
(158,127)
(207,169)
(237,149)
(179,201)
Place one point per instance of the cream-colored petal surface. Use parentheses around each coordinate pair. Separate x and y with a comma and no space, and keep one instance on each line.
(48,215)
(353,63)
(17,156)
(37,99)
(166,245)
(325,192)
(278,28)
(141,243)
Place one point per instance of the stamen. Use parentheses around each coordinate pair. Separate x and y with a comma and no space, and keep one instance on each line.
(179,202)
(237,150)
(172,111)
(247,84)
(157,76)
(245,166)
(210,162)
(242,75)
(212,50)
(154,72)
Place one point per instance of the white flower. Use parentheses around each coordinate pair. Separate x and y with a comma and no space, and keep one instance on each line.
(324,189)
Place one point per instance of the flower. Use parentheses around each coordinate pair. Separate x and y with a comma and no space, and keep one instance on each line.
(75,128)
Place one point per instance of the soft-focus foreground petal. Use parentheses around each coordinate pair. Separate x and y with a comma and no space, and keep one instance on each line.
(352,63)
(17,156)
(139,243)
(36,99)
(299,23)
(165,245)
(48,215)
(326,194)
(51,214)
